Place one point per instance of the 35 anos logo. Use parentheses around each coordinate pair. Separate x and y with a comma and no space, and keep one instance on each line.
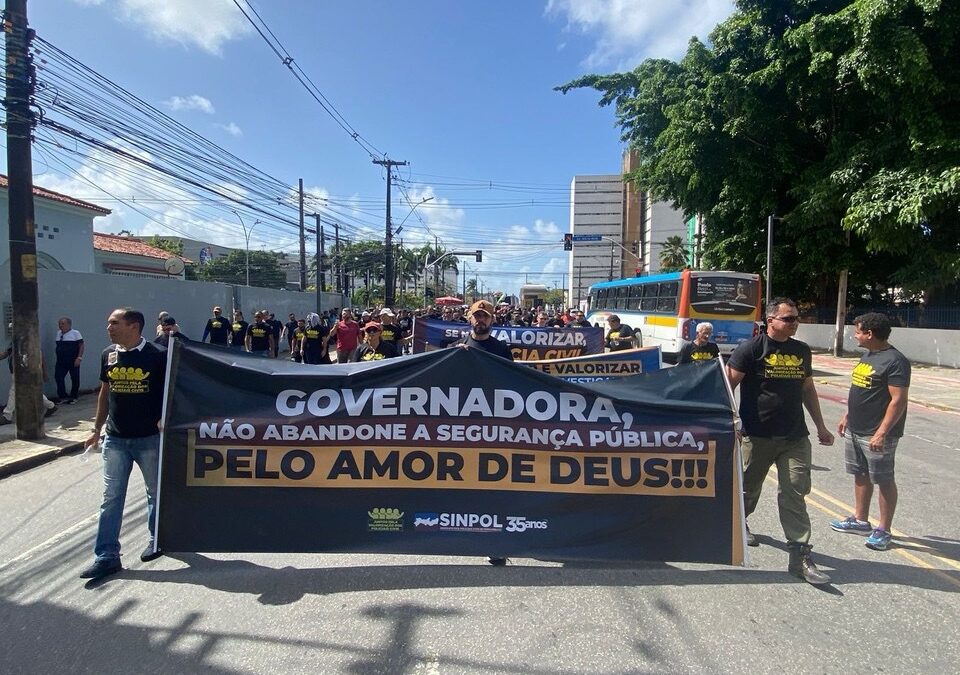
(521,524)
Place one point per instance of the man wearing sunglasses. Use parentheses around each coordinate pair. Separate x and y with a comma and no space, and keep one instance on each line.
(776,373)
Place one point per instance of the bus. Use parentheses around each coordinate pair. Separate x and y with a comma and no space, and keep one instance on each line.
(532,295)
(664,309)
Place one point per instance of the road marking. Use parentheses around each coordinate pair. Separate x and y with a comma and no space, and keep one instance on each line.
(938,555)
(26,555)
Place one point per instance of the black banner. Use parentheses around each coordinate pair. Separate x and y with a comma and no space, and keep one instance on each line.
(449,452)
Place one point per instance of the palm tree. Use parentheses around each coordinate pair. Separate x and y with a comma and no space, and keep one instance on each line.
(472,290)
(673,254)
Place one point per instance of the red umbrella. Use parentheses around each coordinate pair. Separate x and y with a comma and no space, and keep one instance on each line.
(448,300)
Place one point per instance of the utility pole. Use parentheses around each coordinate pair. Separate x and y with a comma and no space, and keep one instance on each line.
(303,245)
(770,220)
(338,266)
(436,268)
(27,375)
(388,289)
(610,278)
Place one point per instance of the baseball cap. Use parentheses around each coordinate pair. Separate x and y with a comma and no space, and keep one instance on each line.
(386,311)
(372,324)
(481,306)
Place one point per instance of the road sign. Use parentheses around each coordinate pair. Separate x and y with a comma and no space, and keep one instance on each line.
(586,237)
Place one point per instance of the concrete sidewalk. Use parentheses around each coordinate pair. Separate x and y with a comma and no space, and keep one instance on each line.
(70,425)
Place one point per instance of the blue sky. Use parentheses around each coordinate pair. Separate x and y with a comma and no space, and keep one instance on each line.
(461,90)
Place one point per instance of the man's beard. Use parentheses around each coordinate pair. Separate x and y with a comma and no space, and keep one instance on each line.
(481,329)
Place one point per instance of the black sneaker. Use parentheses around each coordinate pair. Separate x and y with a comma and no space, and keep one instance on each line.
(751,538)
(497,562)
(50,411)
(149,554)
(69,401)
(101,569)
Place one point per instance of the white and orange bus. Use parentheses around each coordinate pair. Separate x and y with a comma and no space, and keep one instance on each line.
(664,309)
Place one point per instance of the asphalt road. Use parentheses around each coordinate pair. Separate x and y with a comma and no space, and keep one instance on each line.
(897,610)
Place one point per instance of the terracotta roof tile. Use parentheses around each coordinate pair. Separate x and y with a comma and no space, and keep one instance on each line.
(57,197)
(113,243)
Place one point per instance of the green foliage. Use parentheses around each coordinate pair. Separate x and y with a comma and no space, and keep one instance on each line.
(265,270)
(837,115)
(556,297)
(169,245)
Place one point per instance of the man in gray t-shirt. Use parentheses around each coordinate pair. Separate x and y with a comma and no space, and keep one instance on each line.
(872,426)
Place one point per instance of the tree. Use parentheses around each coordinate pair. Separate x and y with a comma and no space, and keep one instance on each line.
(172,246)
(265,270)
(673,254)
(472,290)
(838,116)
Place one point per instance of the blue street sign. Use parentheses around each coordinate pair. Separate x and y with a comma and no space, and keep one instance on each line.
(586,237)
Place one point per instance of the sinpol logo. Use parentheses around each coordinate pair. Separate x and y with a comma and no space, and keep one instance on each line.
(521,524)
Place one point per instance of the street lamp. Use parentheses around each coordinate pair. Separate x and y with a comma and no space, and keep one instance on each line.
(246,237)
(422,201)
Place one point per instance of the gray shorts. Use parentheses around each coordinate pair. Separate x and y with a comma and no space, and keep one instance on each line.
(861,460)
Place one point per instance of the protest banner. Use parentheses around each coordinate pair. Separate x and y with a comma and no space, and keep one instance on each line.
(527,344)
(454,452)
(599,367)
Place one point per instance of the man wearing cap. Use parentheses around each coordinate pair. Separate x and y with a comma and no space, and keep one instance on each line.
(481,319)
(577,320)
(390,330)
(217,328)
(374,348)
(169,330)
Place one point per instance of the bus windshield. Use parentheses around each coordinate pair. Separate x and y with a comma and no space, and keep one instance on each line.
(723,295)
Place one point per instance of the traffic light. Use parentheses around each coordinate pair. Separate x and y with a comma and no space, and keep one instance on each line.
(568,242)
(635,247)
(479,257)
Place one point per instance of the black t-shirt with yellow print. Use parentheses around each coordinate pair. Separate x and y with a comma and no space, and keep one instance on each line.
(384,350)
(238,332)
(771,394)
(313,351)
(219,330)
(135,380)
(260,333)
(691,352)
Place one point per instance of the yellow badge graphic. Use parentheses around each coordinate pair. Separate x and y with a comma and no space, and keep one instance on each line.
(127,380)
(783,367)
(862,376)
(700,356)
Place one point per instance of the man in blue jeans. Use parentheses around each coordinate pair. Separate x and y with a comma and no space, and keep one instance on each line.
(129,405)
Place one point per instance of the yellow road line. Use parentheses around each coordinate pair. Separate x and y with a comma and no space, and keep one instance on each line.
(899,551)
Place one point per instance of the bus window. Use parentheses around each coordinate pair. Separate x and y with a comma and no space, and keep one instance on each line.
(667,305)
(633,301)
(669,289)
(602,298)
(650,290)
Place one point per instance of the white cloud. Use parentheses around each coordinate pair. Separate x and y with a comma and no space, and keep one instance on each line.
(628,31)
(231,129)
(192,102)
(206,24)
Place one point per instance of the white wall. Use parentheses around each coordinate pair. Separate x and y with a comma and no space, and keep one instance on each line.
(923,345)
(88,300)
(71,245)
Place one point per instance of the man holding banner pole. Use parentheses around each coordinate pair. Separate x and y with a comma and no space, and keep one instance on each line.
(776,373)
(481,318)
(130,405)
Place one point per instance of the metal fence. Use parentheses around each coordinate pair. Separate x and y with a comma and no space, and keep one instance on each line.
(906,316)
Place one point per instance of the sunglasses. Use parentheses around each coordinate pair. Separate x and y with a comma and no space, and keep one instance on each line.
(787,319)
(372,330)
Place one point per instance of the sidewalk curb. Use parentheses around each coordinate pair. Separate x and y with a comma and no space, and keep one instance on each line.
(23,463)
(927,404)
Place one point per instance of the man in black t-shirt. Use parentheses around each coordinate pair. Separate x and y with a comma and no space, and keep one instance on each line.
(481,318)
(620,335)
(217,328)
(873,425)
(288,330)
(700,348)
(238,331)
(130,405)
(260,336)
(776,373)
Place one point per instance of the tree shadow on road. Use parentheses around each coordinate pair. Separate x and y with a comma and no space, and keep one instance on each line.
(286,585)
